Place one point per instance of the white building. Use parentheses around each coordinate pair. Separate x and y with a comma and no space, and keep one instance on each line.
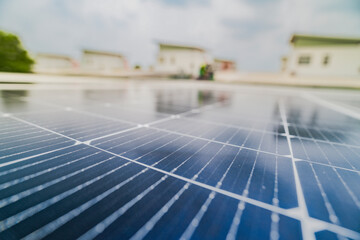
(53,63)
(323,56)
(181,60)
(103,62)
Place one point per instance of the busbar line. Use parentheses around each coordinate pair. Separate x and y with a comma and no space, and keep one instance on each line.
(304,214)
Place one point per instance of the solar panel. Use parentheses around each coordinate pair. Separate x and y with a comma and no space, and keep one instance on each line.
(178,160)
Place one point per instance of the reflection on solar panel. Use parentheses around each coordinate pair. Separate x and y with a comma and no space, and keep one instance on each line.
(178,160)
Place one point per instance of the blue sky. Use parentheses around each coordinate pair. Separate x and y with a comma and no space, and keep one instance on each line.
(255,33)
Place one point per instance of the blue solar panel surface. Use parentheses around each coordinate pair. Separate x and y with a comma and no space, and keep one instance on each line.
(179,160)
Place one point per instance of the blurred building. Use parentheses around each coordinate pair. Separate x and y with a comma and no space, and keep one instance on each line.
(53,63)
(103,62)
(323,56)
(181,59)
(284,63)
(224,65)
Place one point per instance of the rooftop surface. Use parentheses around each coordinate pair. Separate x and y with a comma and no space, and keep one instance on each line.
(164,45)
(50,55)
(178,159)
(98,52)
(303,40)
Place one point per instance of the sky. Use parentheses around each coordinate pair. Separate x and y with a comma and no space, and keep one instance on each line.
(254,33)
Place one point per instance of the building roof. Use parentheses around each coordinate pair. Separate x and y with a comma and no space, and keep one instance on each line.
(163,45)
(224,60)
(57,56)
(96,52)
(301,40)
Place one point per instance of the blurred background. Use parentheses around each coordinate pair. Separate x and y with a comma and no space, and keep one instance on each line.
(229,40)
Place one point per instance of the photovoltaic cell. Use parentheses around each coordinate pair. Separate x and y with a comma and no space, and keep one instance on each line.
(325,153)
(332,199)
(178,160)
(329,235)
(22,141)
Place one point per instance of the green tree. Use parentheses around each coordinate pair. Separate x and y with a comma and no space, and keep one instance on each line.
(13,57)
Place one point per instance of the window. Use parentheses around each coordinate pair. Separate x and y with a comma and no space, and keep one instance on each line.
(304,60)
(326,60)
(161,60)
